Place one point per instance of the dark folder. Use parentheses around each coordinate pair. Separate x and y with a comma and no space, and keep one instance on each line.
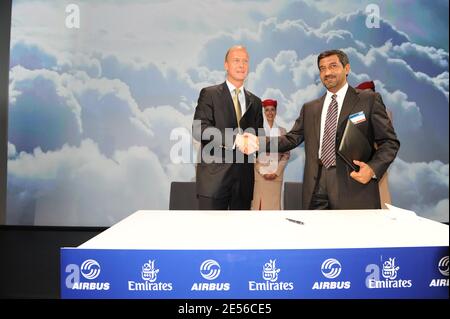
(354,146)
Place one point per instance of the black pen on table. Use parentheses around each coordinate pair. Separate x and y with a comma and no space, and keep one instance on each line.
(295,221)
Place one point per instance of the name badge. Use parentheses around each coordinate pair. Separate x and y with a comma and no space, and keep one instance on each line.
(357,117)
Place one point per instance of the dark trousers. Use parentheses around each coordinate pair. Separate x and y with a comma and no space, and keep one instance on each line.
(325,194)
(232,200)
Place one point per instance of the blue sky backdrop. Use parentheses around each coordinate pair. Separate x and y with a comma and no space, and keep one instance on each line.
(91,110)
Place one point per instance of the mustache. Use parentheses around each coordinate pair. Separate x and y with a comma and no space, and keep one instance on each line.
(330,77)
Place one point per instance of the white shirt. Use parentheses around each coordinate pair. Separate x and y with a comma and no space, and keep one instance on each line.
(340,100)
(241,95)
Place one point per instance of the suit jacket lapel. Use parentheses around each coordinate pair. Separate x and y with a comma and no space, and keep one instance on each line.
(228,106)
(248,105)
(248,102)
(350,100)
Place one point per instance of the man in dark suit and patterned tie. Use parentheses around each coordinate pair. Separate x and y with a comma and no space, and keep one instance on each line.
(224,174)
(328,182)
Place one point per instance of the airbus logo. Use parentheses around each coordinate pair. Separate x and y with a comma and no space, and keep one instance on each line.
(210,269)
(331,268)
(443,266)
(90,269)
(443,269)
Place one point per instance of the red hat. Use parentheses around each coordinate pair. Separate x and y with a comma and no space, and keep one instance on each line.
(366,85)
(269,102)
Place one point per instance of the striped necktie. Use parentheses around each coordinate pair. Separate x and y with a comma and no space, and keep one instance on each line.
(328,154)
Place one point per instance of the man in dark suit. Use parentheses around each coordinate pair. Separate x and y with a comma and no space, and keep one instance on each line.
(224,174)
(328,182)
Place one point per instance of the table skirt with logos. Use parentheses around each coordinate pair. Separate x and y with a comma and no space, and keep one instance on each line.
(356,254)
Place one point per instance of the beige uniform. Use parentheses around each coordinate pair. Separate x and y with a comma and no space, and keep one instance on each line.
(267,193)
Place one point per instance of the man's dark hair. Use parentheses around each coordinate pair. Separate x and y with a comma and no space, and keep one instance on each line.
(343,58)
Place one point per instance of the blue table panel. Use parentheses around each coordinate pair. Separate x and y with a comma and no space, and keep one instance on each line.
(357,273)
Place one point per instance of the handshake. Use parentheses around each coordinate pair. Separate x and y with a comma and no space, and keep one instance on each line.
(247,143)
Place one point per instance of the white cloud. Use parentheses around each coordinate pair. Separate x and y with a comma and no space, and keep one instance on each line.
(162,120)
(288,80)
(202,77)
(169,32)
(79,62)
(405,114)
(425,59)
(420,89)
(430,18)
(272,37)
(421,187)
(150,83)
(43,112)
(31,56)
(438,212)
(11,150)
(109,114)
(309,13)
(271,73)
(104,110)
(355,23)
(80,186)
(442,81)
(123,91)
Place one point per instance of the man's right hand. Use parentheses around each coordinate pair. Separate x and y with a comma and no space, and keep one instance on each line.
(252,143)
(247,143)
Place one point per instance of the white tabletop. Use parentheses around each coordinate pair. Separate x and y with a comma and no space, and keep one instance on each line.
(217,230)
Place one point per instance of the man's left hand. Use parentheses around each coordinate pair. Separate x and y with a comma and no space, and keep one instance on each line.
(365,173)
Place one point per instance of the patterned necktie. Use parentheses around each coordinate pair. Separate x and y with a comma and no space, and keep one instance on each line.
(237,105)
(328,155)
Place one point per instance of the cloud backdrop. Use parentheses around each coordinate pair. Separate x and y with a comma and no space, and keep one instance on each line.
(92,110)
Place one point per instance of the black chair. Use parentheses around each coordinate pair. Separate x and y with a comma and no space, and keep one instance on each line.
(292,196)
(183,196)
